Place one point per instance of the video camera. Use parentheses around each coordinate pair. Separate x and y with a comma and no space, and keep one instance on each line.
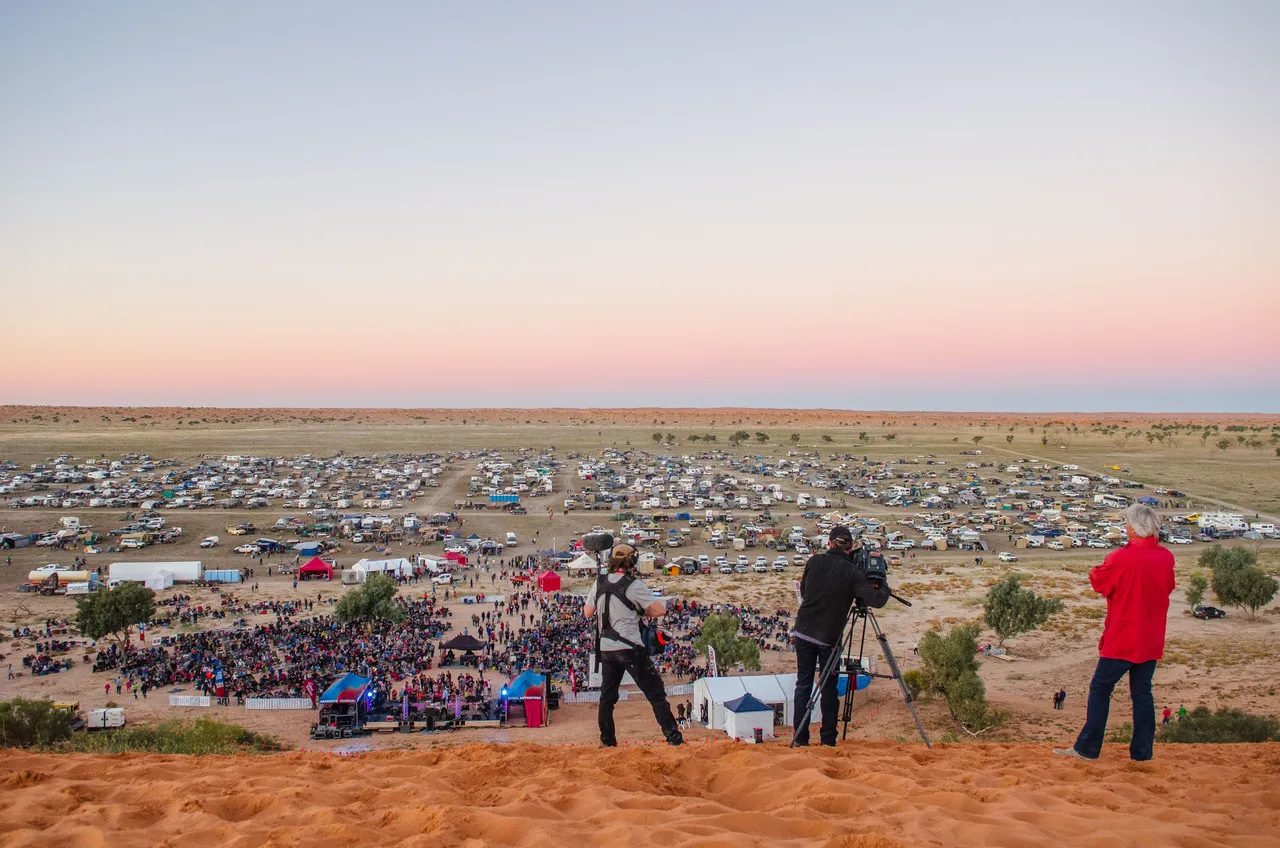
(873,563)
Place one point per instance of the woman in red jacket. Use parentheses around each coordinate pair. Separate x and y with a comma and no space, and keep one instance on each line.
(1136,580)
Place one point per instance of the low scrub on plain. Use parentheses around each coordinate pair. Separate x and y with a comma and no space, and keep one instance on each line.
(1226,725)
(202,736)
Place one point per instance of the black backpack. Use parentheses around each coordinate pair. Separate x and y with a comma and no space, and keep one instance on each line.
(650,641)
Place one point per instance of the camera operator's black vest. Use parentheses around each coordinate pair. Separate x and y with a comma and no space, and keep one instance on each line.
(605,589)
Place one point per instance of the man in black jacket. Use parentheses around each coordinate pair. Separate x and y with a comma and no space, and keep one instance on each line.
(832,581)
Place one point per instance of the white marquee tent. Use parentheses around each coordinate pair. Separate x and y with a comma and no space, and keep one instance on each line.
(713,693)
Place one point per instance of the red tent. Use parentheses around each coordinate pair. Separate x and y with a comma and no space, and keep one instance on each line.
(316,567)
(549,581)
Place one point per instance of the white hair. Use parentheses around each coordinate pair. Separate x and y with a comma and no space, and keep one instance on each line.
(1142,520)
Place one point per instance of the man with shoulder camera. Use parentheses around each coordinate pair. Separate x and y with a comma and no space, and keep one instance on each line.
(832,582)
(622,648)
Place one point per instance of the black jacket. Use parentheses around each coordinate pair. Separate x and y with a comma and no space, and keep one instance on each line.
(830,584)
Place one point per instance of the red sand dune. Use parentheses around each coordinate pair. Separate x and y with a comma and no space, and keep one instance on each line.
(863,795)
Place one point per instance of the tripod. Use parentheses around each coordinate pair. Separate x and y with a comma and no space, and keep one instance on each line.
(843,650)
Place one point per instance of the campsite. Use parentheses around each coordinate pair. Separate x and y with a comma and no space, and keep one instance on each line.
(950,513)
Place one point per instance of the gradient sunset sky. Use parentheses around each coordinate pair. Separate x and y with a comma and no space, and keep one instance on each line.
(969,206)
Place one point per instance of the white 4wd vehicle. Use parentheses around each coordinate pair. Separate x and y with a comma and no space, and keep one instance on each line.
(1006,557)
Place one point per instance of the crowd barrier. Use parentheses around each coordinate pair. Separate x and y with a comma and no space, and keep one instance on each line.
(190,701)
(277,703)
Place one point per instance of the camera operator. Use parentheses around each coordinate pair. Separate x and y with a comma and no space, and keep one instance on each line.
(832,581)
(622,649)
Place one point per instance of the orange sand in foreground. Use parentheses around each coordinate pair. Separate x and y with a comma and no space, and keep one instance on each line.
(714,794)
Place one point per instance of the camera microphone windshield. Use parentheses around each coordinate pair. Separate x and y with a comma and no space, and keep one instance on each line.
(597,542)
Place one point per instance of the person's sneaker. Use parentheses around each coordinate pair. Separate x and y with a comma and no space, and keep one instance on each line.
(1071,752)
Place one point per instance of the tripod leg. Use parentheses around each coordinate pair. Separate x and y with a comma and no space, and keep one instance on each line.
(897,675)
(847,715)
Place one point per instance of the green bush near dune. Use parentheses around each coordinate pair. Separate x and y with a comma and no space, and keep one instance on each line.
(202,736)
(1227,725)
(24,724)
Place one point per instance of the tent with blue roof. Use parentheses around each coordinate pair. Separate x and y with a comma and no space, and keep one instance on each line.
(748,718)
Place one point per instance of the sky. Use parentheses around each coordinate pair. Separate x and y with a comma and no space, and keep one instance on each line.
(920,205)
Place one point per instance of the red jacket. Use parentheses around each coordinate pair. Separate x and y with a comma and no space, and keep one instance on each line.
(1136,580)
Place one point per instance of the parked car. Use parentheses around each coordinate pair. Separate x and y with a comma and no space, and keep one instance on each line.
(725,567)
(742,568)
(780,564)
(1179,540)
(132,543)
(442,579)
(798,560)
(704,561)
(1096,543)
(742,560)
(1005,556)
(1208,612)
(1055,545)
(899,545)
(761,565)
(247,549)
(209,542)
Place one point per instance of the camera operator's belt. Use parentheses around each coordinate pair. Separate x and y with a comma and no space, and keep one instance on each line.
(617,590)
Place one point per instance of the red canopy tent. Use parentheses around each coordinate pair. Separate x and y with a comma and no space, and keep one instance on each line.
(549,581)
(316,567)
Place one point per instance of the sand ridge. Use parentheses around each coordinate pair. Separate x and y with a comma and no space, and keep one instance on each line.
(868,794)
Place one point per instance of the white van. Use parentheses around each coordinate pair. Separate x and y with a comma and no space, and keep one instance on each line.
(511,539)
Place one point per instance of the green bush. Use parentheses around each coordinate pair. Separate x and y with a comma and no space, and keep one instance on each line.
(26,723)
(203,736)
(914,681)
(1227,725)
(950,668)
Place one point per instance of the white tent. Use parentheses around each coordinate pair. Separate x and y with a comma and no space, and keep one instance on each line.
(395,567)
(745,715)
(584,562)
(712,693)
(161,580)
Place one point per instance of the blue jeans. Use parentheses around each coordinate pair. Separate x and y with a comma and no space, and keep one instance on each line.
(1105,678)
(809,659)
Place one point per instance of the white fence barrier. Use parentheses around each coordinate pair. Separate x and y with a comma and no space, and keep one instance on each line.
(680,689)
(190,701)
(277,703)
(588,697)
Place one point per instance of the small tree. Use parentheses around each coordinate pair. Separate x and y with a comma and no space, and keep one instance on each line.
(762,437)
(949,667)
(1011,609)
(1196,586)
(1223,444)
(671,438)
(720,631)
(976,439)
(372,602)
(795,437)
(827,438)
(862,436)
(657,437)
(739,437)
(114,612)
(1009,438)
(1237,580)
(26,723)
